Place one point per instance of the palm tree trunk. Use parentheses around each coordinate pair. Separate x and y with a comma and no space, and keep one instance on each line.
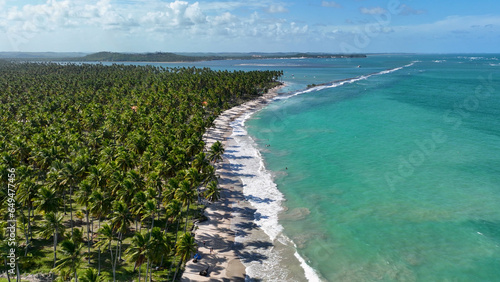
(158,201)
(64,202)
(175,243)
(187,217)
(140,266)
(113,265)
(147,271)
(120,248)
(27,233)
(29,222)
(55,246)
(8,276)
(177,269)
(88,231)
(18,274)
(99,261)
(165,231)
(71,209)
(99,252)
(151,273)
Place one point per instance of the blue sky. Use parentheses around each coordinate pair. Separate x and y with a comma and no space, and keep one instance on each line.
(340,26)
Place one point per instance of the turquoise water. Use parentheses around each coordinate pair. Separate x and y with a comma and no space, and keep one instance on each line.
(396,176)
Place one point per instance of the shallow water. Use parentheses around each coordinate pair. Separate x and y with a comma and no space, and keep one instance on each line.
(393,177)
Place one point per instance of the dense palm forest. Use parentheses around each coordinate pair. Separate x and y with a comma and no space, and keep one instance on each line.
(108,164)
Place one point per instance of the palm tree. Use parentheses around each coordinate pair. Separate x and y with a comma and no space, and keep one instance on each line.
(69,177)
(155,182)
(73,252)
(125,159)
(216,151)
(138,207)
(52,226)
(213,192)
(83,197)
(47,201)
(99,206)
(158,245)
(26,193)
(186,195)
(91,275)
(106,237)
(184,248)
(194,177)
(121,220)
(150,210)
(173,210)
(200,161)
(137,251)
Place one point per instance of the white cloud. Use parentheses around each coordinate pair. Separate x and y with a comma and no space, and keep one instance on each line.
(372,11)
(453,24)
(275,9)
(331,4)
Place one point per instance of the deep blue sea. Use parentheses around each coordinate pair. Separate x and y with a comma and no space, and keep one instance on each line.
(387,170)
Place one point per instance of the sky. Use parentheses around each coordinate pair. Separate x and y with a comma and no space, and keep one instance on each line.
(340,26)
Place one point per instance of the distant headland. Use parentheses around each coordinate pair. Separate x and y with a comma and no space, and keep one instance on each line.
(164,56)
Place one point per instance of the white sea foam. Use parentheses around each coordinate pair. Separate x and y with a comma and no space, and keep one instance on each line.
(262,193)
(258,185)
(344,81)
(270,65)
(311,274)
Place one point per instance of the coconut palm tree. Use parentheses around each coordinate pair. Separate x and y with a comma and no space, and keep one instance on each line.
(91,275)
(121,221)
(158,245)
(52,226)
(138,208)
(150,210)
(83,197)
(73,252)
(212,193)
(137,251)
(26,193)
(173,210)
(216,151)
(68,177)
(185,247)
(99,206)
(106,237)
(186,195)
(47,201)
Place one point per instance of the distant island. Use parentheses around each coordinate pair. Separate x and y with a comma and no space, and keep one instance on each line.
(167,57)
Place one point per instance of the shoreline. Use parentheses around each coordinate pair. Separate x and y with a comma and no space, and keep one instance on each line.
(216,236)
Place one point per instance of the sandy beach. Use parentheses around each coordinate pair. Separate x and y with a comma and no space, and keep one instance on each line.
(216,236)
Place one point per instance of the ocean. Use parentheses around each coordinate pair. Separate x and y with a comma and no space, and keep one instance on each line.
(388,172)
(387,168)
